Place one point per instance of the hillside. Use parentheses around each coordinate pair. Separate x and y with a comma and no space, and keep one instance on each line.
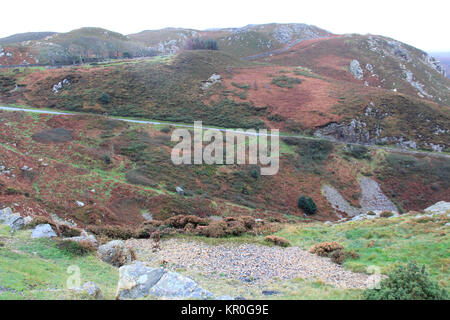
(120,170)
(38,268)
(27,36)
(77,46)
(313,99)
(88,184)
(240,42)
(444,58)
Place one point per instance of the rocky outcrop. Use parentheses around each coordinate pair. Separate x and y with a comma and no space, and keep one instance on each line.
(356,70)
(215,78)
(354,132)
(140,281)
(116,253)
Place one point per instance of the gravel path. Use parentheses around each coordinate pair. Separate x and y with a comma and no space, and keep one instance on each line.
(248,262)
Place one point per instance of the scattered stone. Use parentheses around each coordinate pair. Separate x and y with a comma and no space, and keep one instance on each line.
(136,280)
(372,200)
(259,263)
(43,231)
(116,253)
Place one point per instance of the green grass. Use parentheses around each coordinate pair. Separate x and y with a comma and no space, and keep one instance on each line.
(383,242)
(37,269)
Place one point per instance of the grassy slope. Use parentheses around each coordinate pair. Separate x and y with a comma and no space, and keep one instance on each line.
(32,267)
(37,269)
(142,176)
(331,58)
(169,89)
(384,242)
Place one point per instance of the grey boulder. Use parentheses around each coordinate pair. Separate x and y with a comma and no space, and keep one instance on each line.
(84,237)
(91,290)
(116,253)
(43,231)
(14,221)
(136,280)
(175,286)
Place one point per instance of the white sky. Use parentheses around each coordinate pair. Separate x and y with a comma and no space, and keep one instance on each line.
(423,24)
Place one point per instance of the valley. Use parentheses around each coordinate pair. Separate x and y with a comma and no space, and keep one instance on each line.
(87,120)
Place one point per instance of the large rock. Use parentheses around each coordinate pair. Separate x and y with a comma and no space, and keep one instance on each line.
(441,207)
(136,280)
(116,253)
(356,70)
(84,237)
(174,285)
(91,290)
(14,221)
(43,231)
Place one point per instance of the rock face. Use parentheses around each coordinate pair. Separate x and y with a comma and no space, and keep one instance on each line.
(136,280)
(215,78)
(139,281)
(14,221)
(441,207)
(116,253)
(356,70)
(174,285)
(43,231)
(354,132)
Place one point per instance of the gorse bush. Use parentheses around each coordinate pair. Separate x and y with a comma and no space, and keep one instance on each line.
(75,248)
(307,204)
(407,283)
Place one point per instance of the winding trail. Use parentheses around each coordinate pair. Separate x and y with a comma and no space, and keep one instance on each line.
(181,125)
